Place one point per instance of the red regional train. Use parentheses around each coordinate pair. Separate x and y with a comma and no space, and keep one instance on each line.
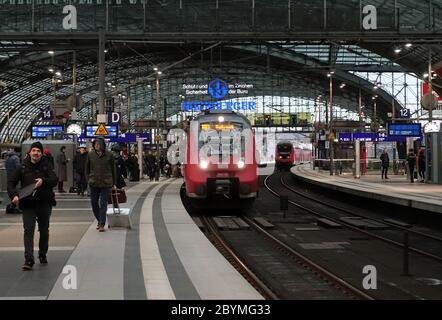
(287,155)
(220,161)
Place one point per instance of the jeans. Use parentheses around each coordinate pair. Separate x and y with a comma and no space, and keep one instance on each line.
(384,169)
(411,173)
(41,214)
(81,183)
(99,198)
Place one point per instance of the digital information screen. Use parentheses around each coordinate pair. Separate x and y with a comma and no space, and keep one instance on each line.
(111,129)
(41,131)
(404,129)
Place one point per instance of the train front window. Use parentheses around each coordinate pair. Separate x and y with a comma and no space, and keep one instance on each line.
(284,148)
(221,139)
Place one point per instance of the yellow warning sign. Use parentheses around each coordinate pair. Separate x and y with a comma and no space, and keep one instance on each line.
(101,130)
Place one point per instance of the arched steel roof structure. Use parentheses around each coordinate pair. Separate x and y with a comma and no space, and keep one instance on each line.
(268,42)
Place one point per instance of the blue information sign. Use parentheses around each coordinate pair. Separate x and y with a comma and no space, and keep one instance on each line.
(41,131)
(345,137)
(218,88)
(370,137)
(111,129)
(404,129)
(123,138)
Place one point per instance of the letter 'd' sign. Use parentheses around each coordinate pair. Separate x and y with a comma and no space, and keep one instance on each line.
(114,117)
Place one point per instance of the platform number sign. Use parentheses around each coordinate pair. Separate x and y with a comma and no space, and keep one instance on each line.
(47,115)
(404,113)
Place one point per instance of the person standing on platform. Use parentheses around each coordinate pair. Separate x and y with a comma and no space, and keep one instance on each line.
(385,163)
(62,169)
(79,167)
(12,161)
(37,172)
(411,160)
(47,153)
(100,169)
(421,164)
(11,165)
(120,168)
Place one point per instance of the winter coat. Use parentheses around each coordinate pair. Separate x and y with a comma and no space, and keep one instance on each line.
(120,168)
(62,167)
(26,175)
(12,163)
(385,160)
(411,159)
(80,163)
(421,160)
(100,169)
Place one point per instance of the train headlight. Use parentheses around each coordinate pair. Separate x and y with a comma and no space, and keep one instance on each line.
(204,164)
(220,119)
(241,164)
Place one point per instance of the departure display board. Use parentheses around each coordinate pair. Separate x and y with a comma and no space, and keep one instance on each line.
(404,129)
(41,131)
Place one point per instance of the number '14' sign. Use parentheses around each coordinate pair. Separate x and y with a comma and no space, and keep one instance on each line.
(47,115)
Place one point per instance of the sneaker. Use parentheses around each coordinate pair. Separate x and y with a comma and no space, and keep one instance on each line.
(101,229)
(43,260)
(27,266)
(98,226)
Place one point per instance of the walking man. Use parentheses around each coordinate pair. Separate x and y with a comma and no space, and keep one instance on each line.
(385,163)
(35,171)
(100,169)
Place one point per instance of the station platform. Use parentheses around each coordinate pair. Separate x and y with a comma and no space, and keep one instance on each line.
(397,189)
(163,256)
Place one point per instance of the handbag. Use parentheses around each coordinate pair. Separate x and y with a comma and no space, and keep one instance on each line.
(117,196)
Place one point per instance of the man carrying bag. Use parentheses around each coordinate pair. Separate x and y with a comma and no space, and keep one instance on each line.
(35,198)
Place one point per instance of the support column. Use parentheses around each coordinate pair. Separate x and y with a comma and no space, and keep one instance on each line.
(332,148)
(357,159)
(157,109)
(140,156)
(101,70)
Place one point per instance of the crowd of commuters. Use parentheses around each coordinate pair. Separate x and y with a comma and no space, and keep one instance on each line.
(31,181)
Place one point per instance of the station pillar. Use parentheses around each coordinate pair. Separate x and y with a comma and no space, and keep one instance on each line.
(410,145)
(357,159)
(140,156)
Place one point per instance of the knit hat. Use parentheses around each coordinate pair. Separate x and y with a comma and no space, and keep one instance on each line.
(38,145)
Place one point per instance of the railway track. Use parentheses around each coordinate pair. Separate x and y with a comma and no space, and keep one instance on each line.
(331,279)
(236,261)
(350,226)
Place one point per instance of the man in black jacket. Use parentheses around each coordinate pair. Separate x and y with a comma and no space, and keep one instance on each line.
(385,163)
(39,172)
